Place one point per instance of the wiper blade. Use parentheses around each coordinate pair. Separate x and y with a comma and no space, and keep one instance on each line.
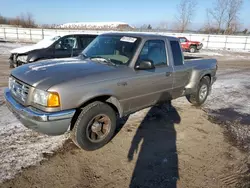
(103,59)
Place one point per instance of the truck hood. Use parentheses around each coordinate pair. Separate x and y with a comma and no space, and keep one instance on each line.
(24,49)
(47,73)
(45,43)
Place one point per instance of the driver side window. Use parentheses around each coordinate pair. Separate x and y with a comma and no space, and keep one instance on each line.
(67,43)
(182,40)
(154,51)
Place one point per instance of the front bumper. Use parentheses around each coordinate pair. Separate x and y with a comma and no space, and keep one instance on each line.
(54,123)
(199,46)
(14,62)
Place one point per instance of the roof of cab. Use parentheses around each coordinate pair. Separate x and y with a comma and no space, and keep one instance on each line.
(141,35)
(76,33)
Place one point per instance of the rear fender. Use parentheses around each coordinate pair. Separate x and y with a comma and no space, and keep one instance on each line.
(195,79)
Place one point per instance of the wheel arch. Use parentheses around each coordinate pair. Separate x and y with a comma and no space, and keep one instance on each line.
(109,99)
(195,45)
(206,76)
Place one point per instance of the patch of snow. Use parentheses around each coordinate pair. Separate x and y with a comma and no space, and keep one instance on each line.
(6,47)
(205,53)
(19,146)
(235,50)
(229,55)
(231,90)
(210,53)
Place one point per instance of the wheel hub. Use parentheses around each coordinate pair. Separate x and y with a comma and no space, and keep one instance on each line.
(98,128)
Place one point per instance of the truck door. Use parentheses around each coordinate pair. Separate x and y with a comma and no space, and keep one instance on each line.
(181,71)
(154,85)
(184,43)
(67,47)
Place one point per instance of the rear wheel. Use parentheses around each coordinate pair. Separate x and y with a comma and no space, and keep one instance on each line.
(94,127)
(201,94)
(192,49)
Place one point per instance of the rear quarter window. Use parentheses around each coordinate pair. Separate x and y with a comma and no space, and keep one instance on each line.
(177,53)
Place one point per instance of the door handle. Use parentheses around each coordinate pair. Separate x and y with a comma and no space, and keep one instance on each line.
(168,74)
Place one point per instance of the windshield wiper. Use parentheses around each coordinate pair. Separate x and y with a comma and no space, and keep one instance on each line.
(103,59)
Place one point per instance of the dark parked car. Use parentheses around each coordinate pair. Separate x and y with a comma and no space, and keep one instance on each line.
(53,47)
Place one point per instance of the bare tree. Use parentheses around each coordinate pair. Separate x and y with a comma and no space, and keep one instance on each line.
(245,31)
(232,12)
(185,13)
(30,20)
(218,13)
(3,20)
(144,26)
(207,26)
(225,15)
(163,25)
(23,20)
(149,27)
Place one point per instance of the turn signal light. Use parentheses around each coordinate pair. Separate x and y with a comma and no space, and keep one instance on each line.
(53,100)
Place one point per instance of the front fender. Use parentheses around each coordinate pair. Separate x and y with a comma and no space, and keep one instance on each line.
(106,96)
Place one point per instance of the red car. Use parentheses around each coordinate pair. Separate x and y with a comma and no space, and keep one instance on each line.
(190,46)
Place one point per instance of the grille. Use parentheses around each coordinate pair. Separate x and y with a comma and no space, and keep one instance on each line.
(19,90)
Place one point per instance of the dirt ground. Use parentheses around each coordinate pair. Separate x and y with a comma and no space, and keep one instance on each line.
(156,147)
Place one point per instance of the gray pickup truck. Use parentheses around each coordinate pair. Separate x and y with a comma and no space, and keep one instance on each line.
(116,75)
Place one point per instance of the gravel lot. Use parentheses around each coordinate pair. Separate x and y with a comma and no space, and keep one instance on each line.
(157,147)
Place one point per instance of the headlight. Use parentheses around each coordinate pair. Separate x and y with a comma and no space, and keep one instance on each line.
(47,99)
(22,58)
(11,80)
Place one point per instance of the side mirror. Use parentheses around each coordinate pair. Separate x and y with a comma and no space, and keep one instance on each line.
(145,65)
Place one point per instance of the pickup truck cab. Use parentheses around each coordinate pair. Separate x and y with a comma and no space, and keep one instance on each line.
(116,75)
(190,46)
(69,45)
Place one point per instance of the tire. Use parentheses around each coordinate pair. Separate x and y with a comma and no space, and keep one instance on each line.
(193,49)
(86,128)
(203,88)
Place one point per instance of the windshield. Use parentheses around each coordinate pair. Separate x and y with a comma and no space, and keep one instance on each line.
(118,50)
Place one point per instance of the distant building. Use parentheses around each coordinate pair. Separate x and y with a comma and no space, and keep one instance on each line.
(96,25)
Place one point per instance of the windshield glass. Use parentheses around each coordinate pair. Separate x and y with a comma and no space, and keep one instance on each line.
(117,49)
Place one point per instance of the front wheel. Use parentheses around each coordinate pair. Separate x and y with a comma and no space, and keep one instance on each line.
(95,126)
(201,94)
(192,49)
